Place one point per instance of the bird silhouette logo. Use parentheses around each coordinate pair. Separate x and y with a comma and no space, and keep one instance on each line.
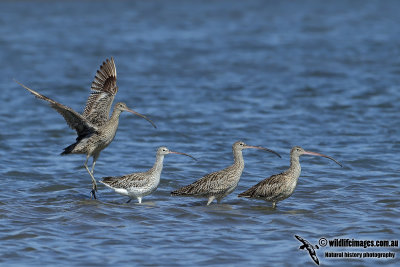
(311,249)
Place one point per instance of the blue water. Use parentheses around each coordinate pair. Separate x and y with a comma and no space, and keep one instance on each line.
(324,75)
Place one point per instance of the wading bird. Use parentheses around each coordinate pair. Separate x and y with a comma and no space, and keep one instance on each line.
(138,185)
(281,186)
(218,185)
(95,129)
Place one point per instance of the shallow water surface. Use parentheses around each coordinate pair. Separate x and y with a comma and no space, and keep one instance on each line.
(322,75)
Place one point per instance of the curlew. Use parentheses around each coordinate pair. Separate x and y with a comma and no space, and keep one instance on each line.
(95,128)
(138,185)
(281,186)
(218,185)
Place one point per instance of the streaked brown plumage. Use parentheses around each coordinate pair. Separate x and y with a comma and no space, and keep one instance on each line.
(281,186)
(104,88)
(219,184)
(140,184)
(94,128)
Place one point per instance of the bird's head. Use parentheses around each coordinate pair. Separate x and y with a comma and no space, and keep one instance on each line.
(165,151)
(298,151)
(123,107)
(240,145)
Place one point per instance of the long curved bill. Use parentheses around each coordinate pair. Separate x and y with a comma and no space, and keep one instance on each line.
(180,153)
(263,148)
(140,115)
(321,155)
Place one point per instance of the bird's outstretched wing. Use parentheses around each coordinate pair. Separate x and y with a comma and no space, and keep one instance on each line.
(314,257)
(75,120)
(104,88)
(302,240)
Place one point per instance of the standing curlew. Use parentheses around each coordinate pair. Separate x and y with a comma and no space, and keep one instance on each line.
(94,127)
(281,186)
(218,185)
(138,185)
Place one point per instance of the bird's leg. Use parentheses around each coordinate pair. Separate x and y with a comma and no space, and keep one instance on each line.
(95,157)
(139,199)
(210,199)
(273,205)
(129,200)
(94,162)
(94,185)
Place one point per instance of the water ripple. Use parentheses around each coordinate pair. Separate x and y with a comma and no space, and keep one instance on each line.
(318,75)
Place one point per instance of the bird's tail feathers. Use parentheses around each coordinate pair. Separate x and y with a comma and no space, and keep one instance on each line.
(68,149)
